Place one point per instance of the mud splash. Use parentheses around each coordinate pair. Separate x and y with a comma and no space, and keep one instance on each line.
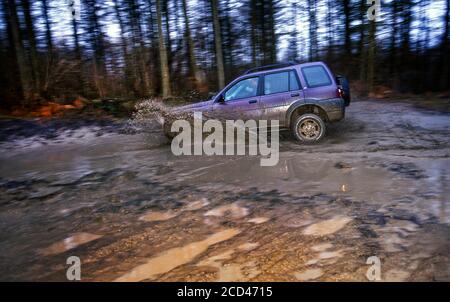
(175,257)
(154,110)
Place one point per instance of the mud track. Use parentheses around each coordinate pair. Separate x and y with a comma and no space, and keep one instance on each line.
(378,185)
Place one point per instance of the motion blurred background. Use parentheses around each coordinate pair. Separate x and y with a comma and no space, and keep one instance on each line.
(67,49)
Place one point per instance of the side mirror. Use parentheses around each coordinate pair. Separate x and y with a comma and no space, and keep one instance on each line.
(221,99)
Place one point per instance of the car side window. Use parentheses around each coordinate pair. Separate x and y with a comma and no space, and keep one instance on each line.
(293,81)
(276,82)
(243,89)
(316,76)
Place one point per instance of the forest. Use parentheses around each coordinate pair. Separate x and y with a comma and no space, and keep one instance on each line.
(66,49)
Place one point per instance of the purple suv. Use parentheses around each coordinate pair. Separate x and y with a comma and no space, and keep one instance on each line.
(303,97)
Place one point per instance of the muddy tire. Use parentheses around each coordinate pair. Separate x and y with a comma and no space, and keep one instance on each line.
(308,128)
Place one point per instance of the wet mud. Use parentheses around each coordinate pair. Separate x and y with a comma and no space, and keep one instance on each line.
(377,185)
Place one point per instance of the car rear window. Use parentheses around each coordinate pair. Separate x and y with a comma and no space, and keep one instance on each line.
(316,76)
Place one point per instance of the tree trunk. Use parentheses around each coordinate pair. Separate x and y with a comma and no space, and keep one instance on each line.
(313,46)
(406,9)
(253,30)
(166,91)
(371,55)
(14,27)
(271,33)
(78,56)
(32,43)
(166,16)
(190,46)
(445,79)
(393,42)
(330,33)
(362,42)
(218,44)
(347,19)
(293,44)
(97,42)
(48,32)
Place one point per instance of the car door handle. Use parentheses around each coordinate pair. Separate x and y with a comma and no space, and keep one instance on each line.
(295,94)
(252,101)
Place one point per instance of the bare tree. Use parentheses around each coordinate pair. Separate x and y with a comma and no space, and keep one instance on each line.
(190,46)
(372,45)
(313,43)
(218,43)
(19,51)
(48,31)
(31,37)
(166,91)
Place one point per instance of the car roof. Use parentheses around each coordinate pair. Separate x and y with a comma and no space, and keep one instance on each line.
(287,66)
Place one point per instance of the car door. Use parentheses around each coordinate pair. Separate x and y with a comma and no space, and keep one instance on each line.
(280,89)
(239,101)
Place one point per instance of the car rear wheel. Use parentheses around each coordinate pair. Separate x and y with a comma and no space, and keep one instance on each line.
(308,128)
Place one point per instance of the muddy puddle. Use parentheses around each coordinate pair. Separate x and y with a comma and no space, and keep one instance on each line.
(378,185)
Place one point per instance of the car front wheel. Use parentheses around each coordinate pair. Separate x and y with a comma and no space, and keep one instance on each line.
(308,128)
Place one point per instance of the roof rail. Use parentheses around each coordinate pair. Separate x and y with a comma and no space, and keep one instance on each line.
(272,66)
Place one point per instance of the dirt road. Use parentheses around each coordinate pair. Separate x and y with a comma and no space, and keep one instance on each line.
(378,185)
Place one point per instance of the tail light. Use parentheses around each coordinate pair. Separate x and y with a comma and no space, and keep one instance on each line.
(340,93)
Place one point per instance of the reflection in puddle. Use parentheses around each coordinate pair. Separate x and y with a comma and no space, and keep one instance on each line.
(157,216)
(327,227)
(309,274)
(328,255)
(232,271)
(322,247)
(233,209)
(211,260)
(248,246)
(312,262)
(196,205)
(175,257)
(229,272)
(69,243)
(258,220)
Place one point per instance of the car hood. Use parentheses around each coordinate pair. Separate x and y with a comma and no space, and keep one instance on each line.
(196,106)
